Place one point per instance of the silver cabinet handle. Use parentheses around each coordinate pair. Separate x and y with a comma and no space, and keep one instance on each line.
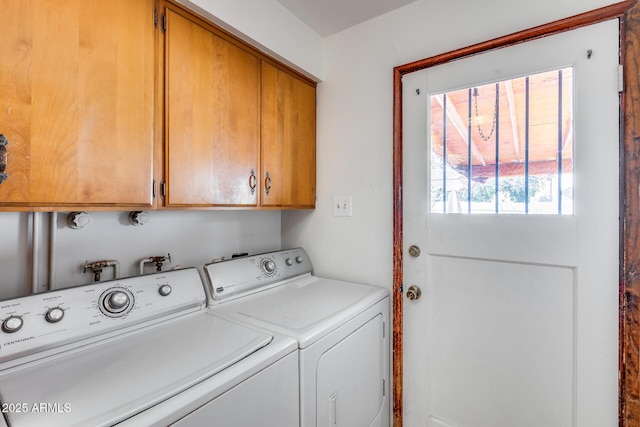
(3,158)
(253,181)
(267,183)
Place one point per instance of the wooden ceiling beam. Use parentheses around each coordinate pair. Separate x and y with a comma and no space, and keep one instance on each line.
(508,85)
(461,126)
(545,167)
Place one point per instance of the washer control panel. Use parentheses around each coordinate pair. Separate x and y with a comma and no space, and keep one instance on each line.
(50,319)
(239,276)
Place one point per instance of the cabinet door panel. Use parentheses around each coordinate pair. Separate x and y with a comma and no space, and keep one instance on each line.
(288,139)
(77,103)
(212,105)
(15,98)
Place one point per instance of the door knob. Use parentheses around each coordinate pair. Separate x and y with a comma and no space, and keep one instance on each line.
(414,251)
(414,292)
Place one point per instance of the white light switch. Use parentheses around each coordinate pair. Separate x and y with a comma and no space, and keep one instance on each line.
(341,205)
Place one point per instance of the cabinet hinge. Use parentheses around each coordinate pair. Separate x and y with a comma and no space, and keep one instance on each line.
(164,23)
(154,189)
(620,78)
(163,189)
(155,18)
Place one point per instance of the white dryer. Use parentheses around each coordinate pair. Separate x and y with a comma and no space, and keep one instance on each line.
(342,330)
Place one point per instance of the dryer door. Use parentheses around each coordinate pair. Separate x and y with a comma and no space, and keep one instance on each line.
(350,375)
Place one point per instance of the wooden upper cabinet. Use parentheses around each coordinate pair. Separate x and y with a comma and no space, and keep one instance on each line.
(76,103)
(288,139)
(95,100)
(212,113)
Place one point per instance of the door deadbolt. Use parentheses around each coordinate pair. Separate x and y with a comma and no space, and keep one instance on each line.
(414,251)
(414,293)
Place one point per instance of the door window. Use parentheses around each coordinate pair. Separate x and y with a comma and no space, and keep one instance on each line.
(504,147)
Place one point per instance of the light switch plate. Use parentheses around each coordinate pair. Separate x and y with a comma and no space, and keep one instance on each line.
(341,205)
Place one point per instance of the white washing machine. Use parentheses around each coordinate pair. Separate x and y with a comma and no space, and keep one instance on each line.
(141,351)
(342,330)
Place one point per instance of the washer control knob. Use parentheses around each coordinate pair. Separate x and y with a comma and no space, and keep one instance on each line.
(164,290)
(299,259)
(117,301)
(289,262)
(12,324)
(268,266)
(54,315)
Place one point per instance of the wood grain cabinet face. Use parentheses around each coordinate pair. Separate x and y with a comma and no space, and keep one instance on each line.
(212,117)
(288,140)
(78,97)
(76,102)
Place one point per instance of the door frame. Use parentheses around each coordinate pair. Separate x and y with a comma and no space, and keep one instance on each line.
(628,12)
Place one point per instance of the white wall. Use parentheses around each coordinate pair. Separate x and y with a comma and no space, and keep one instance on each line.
(193,238)
(14,255)
(354,146)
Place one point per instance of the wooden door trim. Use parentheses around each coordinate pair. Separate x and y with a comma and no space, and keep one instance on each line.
(629,409)
(629,342)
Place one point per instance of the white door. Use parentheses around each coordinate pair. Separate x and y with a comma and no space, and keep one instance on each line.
(517,323)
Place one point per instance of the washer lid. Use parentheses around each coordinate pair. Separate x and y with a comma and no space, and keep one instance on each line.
(306,309)
(107,382)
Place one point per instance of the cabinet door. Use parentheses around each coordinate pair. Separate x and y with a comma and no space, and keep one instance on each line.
(76,102)
(212,117)
(288,139)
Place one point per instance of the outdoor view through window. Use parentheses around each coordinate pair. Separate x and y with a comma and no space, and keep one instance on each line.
(504,147)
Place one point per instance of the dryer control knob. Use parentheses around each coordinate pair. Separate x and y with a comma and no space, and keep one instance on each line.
(299,259)
(12,324)
(54,315)
(289,262)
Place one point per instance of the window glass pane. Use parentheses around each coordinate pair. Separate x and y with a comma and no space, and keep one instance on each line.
(504,147)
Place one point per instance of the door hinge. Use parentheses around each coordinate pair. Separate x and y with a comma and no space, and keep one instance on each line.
(163,189)
(383,329)
(164,23)
(620,78)
(384,388)
(155,18)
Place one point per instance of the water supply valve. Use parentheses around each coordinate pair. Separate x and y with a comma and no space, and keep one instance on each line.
(157,260)
(96,268)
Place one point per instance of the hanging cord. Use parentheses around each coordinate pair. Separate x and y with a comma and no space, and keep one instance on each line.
(495,114)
